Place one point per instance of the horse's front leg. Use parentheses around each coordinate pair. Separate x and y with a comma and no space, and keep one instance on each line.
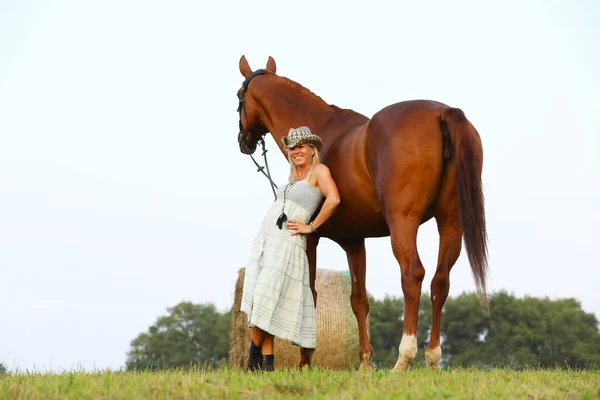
(357,261)
(311,252)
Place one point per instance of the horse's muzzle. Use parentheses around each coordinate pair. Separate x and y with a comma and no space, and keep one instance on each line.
(245,147)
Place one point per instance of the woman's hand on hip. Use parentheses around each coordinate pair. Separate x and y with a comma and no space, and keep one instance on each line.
(296,227)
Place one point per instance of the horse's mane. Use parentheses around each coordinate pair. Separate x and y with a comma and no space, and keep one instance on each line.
(305,91)
(301,89)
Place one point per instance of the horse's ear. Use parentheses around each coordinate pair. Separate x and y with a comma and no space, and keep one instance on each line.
(271,66)
(245,67)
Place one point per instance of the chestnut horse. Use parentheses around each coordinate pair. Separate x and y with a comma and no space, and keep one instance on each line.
(411,161)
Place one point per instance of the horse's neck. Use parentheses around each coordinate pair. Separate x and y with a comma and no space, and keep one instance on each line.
(286,107)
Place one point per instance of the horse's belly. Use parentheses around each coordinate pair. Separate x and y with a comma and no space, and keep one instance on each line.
(353,224)
(358,215)
(356,223)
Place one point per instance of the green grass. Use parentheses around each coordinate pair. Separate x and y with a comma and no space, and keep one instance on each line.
(204,384)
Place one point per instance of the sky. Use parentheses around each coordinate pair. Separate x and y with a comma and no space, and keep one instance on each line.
(123,191)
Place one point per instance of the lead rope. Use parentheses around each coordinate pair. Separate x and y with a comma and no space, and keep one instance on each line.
(261,168)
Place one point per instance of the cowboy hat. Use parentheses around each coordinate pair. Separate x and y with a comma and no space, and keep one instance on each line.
(301,135)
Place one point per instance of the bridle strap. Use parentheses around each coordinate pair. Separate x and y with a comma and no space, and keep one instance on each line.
(242,106)
(261,168)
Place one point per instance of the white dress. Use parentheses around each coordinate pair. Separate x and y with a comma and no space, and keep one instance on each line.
(276,294)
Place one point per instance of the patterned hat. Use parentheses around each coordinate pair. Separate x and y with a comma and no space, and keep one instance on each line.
(301,135)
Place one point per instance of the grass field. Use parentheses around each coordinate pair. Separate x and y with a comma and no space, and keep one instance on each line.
(203,384)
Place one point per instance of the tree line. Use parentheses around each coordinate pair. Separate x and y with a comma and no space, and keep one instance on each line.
(517,333)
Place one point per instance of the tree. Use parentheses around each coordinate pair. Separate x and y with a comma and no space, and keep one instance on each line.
(519,333)
(192,334)
(3,369)
(463,329)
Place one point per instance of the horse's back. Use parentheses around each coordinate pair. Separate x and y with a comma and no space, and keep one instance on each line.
(409,114)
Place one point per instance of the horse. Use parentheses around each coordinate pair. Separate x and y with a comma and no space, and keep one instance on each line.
(412,161)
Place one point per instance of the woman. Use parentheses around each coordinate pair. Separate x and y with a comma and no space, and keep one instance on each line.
(276,294)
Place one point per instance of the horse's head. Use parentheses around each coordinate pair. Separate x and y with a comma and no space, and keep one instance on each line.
(252,127)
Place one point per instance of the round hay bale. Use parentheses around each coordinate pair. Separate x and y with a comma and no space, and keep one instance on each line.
(337,330)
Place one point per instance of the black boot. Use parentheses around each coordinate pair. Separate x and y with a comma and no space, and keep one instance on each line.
(268,363)
(254,357)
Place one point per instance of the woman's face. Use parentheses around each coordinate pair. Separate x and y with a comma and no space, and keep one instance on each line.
(301,155)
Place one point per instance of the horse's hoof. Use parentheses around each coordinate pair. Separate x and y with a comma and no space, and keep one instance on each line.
(433,366)
(433,357)
(365,367)
(402,365)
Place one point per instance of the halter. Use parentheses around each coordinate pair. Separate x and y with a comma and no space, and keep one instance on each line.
(241,140)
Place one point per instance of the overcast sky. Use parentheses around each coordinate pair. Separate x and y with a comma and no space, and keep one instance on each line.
(123,192)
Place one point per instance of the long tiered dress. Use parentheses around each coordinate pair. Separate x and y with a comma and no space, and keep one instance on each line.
(276,294)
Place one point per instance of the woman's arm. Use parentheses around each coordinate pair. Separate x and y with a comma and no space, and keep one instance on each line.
(330,190)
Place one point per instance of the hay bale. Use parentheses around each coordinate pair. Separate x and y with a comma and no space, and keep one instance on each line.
(337,331)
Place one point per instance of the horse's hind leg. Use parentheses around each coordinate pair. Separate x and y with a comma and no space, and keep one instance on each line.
(447,216)
(450,246)
(404,245)
(357,261)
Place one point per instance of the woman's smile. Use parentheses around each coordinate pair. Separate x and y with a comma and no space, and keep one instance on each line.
(300,154)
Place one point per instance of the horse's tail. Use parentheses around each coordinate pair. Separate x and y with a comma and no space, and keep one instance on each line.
(468,158)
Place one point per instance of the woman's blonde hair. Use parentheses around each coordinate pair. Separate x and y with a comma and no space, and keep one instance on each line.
(314,161)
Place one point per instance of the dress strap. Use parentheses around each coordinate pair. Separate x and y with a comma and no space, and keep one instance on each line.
(308,177)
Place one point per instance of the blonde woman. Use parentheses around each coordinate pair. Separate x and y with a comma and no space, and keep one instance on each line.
(276,295)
